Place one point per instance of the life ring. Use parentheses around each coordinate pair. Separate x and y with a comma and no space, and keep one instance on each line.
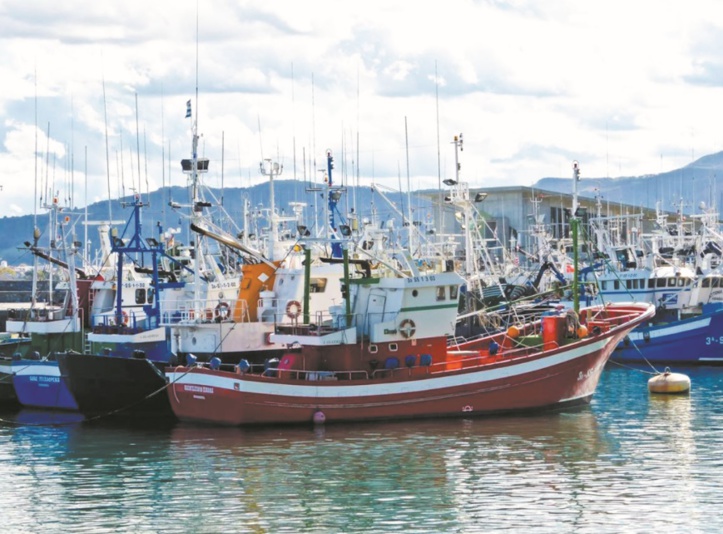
(124,318)
(407,328)
(222,311)
(293,309)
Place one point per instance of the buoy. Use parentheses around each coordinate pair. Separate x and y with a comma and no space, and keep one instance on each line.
(667,382)
(513,332)
(582,331)
(319,417)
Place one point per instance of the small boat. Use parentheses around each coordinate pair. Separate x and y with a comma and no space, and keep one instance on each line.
(383,355)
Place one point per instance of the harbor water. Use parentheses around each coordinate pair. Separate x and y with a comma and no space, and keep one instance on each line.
(630,462)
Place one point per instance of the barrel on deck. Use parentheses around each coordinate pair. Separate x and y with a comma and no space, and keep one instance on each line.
(553,331)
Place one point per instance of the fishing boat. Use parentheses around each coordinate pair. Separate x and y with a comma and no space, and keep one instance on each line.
(684,332)
(126,376)
(239,323)
(54,322)
(127,340)
(675,270)
(383,354)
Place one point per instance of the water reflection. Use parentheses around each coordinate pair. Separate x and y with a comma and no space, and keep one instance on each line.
(418,474)
(631,455)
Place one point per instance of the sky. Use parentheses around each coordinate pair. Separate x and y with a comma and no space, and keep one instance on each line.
(94,93)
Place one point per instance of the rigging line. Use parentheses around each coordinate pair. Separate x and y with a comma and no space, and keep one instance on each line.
(138,147)
(35,154)
(145,165)
(107,153)
(163,158)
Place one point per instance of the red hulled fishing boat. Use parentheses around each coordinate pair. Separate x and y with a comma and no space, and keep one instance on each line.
(385,354)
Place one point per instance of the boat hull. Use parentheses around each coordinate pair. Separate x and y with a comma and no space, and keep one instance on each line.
(152,343)
(7,390)
(109,385)
(547,382)
(692,341)
(38,384)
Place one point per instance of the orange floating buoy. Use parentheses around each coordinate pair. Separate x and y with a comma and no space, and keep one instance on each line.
(513,332)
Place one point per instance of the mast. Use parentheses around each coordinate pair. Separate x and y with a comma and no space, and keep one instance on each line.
(194,167)
(269,168)
(574,227)
(333,196)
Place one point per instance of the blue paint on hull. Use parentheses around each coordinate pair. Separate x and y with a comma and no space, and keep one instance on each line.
(38,384)
(695,340)
(45,388)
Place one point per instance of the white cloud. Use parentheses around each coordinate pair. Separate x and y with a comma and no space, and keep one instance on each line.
(626,88)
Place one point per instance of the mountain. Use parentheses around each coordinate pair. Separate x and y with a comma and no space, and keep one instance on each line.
(699,181)
(695,183)
(14,231)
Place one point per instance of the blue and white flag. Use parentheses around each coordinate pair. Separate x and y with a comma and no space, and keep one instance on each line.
(188,109)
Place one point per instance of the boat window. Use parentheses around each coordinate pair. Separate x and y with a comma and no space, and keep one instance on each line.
(671,282)
(651,283)
(629,284)
(616,284)
(660,282)
(149,295)
(140,296)
(707,282)
(453,292)
(317,285)
(716,282)
(604,285)
(681,282)
(373,349)
(393,347)
(441,294)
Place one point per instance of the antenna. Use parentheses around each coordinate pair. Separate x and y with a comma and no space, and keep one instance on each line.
(107,155)
(138,146)
(439,156)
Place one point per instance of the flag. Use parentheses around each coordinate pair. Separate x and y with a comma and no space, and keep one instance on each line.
(188,109)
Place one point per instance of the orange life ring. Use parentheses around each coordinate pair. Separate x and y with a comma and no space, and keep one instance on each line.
(222,311)
(124,318)
(407,328)
(293,309)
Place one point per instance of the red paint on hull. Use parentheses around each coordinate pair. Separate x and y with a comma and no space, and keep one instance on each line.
(538,380)
(546,388)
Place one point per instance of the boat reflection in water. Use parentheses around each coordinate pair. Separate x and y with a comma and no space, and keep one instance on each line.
(442,475)
(40,417)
